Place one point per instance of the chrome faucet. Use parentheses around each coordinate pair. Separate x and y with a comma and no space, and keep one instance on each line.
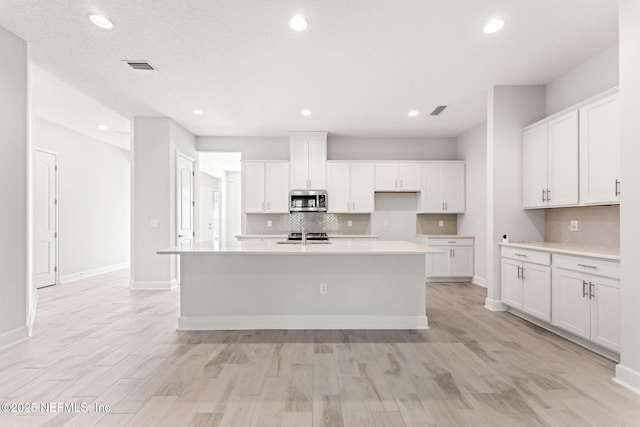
(304,236)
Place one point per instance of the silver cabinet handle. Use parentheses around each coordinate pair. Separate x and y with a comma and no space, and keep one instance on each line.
(617,187)
(451,241)
(584,288)
(450,255)
(543,196)
(548,198)
(522,273)
(442,205)
(268,205)
(518,271)
(401,184)
(396,184)
(263,206)
(522,255)
(591,293)
(588,266)
(353,206)
(453,251)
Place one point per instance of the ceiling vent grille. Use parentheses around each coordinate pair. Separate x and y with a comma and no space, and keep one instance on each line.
(439,109)
(140,65)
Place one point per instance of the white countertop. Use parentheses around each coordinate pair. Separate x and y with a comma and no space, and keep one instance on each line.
(342,247)
(448,236)
(284,236)
(570,249)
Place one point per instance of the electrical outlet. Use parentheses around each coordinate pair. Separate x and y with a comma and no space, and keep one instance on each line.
(573,225)
(269,223)
(154,223)
(323,288)
(441,223)
(349,223)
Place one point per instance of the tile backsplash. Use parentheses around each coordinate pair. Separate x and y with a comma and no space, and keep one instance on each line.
(313,222)
(597,225)
(430,224)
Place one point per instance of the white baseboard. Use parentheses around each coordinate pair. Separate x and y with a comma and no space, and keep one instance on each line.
(494,305)
(94,272)
(480,281)
(214,323)
(628,378)
(448,279)
(9,338)
(152,285)
(32,313)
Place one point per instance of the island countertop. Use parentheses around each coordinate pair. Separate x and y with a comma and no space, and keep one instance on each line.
(336,247)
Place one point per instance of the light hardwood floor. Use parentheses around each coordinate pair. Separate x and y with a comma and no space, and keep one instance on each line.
(96,341)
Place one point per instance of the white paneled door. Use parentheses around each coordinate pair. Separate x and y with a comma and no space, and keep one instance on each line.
(185,201)
(44,218)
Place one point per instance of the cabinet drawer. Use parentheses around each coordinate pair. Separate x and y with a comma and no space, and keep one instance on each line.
(543,258)
(595,266)
(438,241)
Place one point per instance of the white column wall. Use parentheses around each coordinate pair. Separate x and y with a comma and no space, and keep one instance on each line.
(628,371)
(14,148)
(509,109)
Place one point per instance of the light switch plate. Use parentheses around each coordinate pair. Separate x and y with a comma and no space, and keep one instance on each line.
(269,223)
(349,223)
(441,223)
(154,223)
(573,225)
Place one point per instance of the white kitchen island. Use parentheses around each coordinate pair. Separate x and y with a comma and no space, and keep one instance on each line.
(339,285)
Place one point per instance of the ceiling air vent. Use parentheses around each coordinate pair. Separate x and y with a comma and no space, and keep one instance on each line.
(439,109)
(140,65)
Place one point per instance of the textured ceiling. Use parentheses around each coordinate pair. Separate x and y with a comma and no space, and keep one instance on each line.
(360,66)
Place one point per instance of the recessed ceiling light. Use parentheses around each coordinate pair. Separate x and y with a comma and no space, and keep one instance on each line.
(493,26)
(101,21)
(305,112)
(414,113)
(298,23)
(197,112)
(102,127)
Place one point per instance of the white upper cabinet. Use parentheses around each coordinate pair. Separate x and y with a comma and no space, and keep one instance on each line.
(550,162)
(265,187)
(350,187)
(308,156)
(443,187)
(600,151)
(401,177)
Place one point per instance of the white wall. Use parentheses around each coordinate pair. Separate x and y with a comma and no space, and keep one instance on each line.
(339,148)
(472,148)
(233,206)
(509,109)
(628,371)
(14,148)
(593,76)
(94,199)
(252,148)
(395,216)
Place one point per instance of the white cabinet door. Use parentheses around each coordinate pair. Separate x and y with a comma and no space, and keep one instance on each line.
(362,183)
(600,152)
(432,191)
(386,177)
(461,261)
(534,166)
(439,264)
(605,312)
(409,176)
(299,158)
(536,291)
(276,188)
(562,165)
(254,187)
(454,188)
(511,283)
(570,303)
(318,164)
(338,183)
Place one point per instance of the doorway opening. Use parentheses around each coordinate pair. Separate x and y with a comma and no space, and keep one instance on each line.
(220,214)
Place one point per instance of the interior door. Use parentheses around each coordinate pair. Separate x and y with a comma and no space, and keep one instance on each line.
(44,218)
(206,217)
(185,201)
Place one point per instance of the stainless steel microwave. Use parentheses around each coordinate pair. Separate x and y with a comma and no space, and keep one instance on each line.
(307,201)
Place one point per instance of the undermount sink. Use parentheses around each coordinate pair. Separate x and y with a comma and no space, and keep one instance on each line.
(309,242)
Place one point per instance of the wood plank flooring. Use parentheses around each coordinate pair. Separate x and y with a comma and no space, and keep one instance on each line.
(97,342)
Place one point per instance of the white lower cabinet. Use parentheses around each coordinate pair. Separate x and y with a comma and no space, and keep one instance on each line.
(578,294)
(588,306)
(455,260)
(527,285)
